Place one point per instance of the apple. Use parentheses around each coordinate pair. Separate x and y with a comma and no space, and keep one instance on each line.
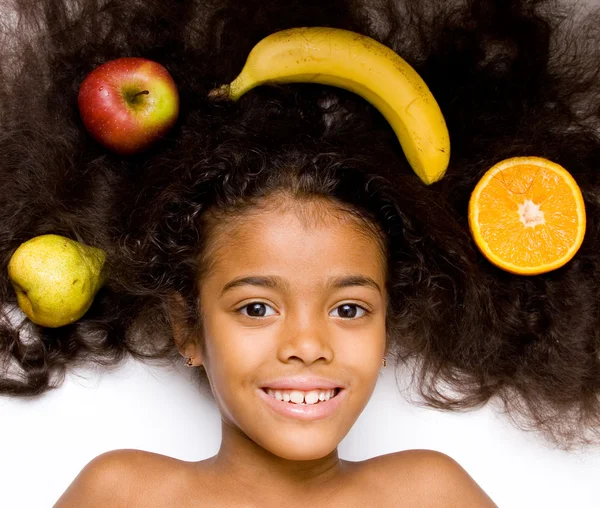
(128,103)
(56,278)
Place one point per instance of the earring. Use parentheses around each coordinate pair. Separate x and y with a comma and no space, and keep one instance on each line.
(189,362)
(384,363)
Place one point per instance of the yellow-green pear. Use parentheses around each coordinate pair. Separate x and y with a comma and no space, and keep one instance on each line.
(56,279)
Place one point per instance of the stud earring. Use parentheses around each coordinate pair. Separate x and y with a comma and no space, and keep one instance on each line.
(384,363)
(189,362)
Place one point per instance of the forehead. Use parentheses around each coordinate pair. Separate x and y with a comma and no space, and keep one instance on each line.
(310,239)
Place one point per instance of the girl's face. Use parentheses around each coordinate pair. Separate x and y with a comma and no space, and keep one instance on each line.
(288,304)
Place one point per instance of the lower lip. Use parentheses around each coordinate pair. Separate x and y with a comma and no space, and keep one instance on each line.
(323,409)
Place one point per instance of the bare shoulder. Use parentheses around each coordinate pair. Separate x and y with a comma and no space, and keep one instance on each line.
(426,478)
(122,478)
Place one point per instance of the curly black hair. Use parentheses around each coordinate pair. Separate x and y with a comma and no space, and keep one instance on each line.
(512,78)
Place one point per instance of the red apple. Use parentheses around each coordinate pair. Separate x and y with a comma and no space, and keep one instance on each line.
(128,103)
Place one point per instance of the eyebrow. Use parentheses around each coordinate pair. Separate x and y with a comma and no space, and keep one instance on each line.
(275,282)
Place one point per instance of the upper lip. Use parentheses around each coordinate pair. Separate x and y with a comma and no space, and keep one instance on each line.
(302,383)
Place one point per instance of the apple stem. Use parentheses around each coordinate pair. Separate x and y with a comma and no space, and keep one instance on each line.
(143,92)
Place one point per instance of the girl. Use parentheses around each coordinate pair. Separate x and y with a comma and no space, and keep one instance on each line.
(292,303)
(284,248)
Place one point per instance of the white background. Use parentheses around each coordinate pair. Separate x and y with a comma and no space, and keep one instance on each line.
(46,442)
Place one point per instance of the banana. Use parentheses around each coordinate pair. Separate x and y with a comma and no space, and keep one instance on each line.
(357,63)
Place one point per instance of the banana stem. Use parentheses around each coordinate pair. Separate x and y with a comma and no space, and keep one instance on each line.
(219,94)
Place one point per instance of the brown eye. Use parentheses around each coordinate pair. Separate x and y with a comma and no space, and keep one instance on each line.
(350,311)
(255,309)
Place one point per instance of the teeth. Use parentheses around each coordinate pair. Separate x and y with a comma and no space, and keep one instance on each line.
(300,397)
(311,397)
(297,397)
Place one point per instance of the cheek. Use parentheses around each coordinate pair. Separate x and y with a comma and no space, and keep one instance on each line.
(234,355)
(363,345)
(363,354)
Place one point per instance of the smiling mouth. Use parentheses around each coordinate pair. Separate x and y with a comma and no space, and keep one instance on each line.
(302,398)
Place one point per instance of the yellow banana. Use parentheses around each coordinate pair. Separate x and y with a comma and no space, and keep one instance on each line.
(352,61)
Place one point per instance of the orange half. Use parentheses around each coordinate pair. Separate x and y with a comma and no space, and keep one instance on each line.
(527,215)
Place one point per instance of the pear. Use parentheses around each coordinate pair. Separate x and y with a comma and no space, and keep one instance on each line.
(56,279)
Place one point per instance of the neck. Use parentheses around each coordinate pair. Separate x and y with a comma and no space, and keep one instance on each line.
(241,458)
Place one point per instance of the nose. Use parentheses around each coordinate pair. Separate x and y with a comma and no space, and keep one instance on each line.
(305,338)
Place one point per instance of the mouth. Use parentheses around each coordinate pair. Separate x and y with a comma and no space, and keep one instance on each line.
(302,397)
(303,405)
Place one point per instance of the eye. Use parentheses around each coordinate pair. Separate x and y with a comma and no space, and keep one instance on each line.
(255,309)
(350,311)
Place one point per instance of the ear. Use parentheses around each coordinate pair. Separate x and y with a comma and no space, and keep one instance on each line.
(185,341)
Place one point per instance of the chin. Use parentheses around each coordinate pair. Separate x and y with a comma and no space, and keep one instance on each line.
(312,445)
(298,452)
